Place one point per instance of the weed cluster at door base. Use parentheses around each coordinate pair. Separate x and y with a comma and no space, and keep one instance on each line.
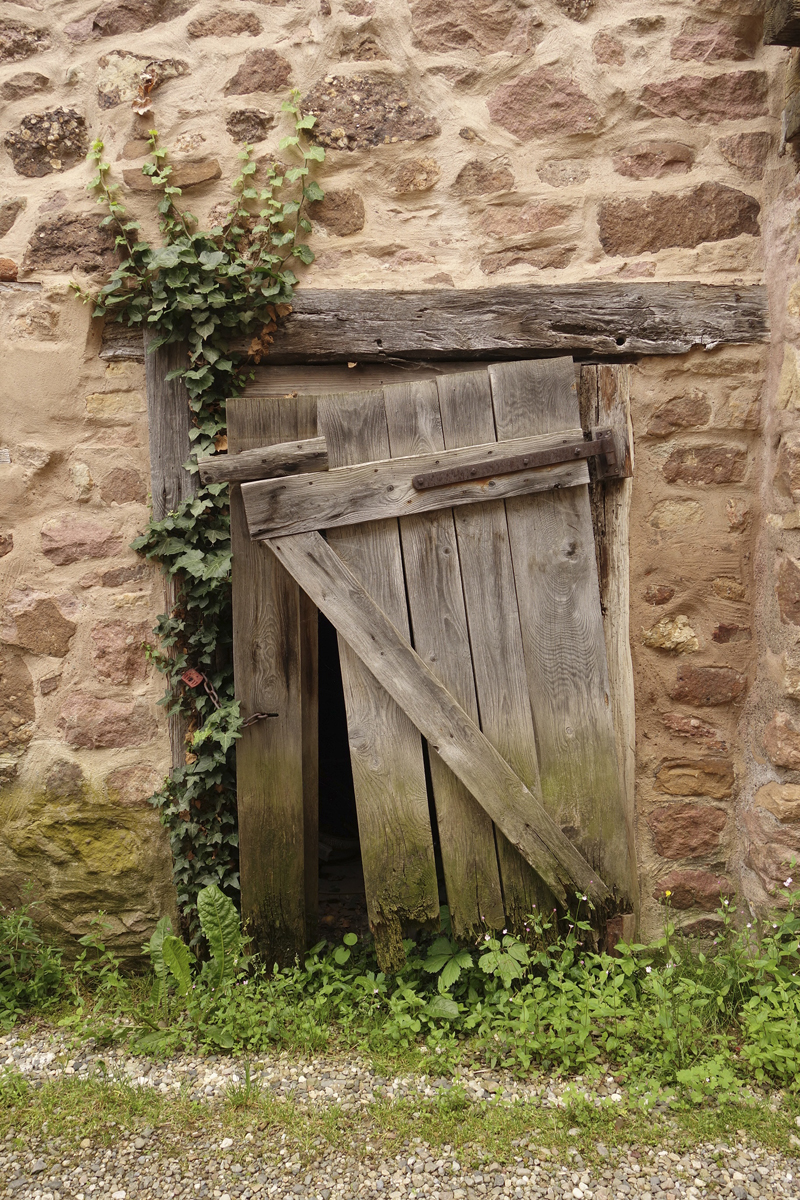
(700,1025)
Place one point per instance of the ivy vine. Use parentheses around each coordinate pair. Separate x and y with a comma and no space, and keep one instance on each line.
(206,289)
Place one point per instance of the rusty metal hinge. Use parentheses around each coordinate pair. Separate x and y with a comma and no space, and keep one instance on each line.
(600,446)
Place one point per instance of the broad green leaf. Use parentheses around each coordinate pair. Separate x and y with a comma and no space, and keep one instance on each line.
(443,1007)
(176,957)
(219,921)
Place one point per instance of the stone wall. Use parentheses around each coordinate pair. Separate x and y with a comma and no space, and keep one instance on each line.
(470,143)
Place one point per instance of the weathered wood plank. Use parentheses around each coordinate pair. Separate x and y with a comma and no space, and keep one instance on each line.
(604,396)
(439,624)
(392,660)
(376,491)
(266,462)
(169,422)
(385,748)
(491,606)
(782,23)
(275,671)
(552,544)
(608,319)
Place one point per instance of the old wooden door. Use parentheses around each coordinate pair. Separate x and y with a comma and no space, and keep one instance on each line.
(468,614)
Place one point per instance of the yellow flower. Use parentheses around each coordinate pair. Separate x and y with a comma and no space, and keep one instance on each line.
(667,893)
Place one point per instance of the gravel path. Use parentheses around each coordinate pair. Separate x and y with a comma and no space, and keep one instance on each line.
(258,1165)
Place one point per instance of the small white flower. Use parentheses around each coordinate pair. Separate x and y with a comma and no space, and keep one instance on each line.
(749,925)
(486,937)
(505,931)
(786,882)
(648,970)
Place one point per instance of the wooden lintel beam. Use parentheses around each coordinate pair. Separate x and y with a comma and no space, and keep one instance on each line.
(597,319)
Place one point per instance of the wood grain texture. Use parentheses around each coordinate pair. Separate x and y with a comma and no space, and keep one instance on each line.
(604,395)
(265,462)
(375,491)
(441,638)
(782,23)
(608,319)
(385,747)
(392,660)
(496,640)
(552,544)
(169,422)
(275,671)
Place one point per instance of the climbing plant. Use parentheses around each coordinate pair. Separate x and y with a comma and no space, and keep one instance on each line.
(205,289)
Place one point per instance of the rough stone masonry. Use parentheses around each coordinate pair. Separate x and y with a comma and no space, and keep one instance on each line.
(470,143)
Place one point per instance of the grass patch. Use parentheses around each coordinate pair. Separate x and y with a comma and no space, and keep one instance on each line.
(104,1110)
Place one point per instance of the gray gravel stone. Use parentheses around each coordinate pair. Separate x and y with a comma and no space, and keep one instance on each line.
(137,1166)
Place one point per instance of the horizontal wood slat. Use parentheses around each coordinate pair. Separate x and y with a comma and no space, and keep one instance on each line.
(608,319)
(266,462)
(442,721)
(379,490)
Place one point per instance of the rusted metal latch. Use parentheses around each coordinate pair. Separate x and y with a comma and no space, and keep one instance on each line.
(600,446)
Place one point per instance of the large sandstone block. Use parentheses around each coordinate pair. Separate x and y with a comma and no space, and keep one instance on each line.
(486,26)
(673,634)
(71,241)
(119,75)
(542,103)
(706,687)
(706,464)
(17,710)
(689,411)
(262,71)
(782,800)
(92,723)
(787,590)
(48,142)
(69,539)
(553,258)
(225,24)
(27,83)
(712,777)
(35,622)
(711,212)
(341,212)
(710,41)
(125,16)
(84,852)
(735,96)
(747,151)
(687,830)
(782,741)
(773,847)
(651,160)
(18,41)
(693,889)
(361,111)
(249,124)
(482,179)
(118,650)
(525,224)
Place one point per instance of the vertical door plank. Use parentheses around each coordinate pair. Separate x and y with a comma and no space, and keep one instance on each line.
(275,670)
(440,636)
(494,630)
(552,543)
(385,748)
(604,394)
